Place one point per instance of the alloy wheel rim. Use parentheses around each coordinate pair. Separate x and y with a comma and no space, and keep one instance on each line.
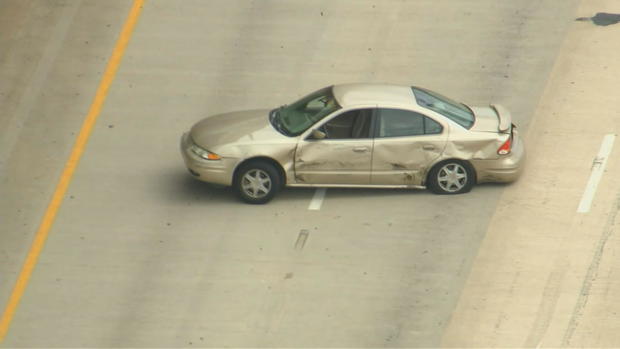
(256,183)
(452,177)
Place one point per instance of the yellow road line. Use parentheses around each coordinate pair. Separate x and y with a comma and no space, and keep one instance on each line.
(69,169)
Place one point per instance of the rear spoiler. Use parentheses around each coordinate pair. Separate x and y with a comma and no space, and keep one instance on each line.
(505,119)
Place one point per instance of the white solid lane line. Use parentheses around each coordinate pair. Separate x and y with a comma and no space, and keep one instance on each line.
(598,167)
(317,199)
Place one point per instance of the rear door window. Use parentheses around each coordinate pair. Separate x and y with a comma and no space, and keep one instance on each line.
(402,123)
(455,111)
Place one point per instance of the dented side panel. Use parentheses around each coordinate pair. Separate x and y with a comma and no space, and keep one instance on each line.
(404,160)
(281,152)
(474,145)
(333,161)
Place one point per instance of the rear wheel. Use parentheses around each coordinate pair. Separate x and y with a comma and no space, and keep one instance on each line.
(451,177)
(257,182)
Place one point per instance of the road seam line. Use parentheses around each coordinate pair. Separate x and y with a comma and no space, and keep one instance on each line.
(317,199)
(69,169)
(598,167)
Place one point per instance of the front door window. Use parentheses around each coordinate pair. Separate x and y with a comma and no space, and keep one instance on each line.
(354,124)
(343,156)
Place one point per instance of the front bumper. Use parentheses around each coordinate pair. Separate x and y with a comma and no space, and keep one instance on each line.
(211,171)
(505,169)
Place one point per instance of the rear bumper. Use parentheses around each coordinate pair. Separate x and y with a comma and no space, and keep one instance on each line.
(505,169)
(211,171)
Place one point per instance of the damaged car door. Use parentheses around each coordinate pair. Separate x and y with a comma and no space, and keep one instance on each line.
(406,143)
(337,151)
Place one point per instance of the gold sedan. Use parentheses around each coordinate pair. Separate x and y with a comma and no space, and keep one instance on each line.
(356,135)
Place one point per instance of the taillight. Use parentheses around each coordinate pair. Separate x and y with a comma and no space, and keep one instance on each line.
(505,148)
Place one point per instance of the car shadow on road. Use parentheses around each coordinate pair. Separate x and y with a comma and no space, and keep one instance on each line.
(359,193)
(350,194)
(189,190)
(184,188)
(491,186)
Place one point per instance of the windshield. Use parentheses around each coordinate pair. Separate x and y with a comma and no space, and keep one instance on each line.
(296,118)
(454,111)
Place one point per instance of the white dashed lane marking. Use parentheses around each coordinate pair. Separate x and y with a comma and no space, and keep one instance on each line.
(598,167)
(317,199)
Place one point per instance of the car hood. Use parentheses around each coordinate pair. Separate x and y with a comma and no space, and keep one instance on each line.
(250,126)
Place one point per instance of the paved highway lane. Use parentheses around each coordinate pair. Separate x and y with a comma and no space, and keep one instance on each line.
(143,255)
(51,59)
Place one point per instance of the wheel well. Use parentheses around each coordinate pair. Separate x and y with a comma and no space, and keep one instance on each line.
(465,162)
(265,159)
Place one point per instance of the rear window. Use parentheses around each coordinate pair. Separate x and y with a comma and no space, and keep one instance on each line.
(454,111)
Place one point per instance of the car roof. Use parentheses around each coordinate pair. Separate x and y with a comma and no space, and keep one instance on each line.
(349,95)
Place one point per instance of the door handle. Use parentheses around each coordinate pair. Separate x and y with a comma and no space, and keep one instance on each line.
(360,149)
(428,147)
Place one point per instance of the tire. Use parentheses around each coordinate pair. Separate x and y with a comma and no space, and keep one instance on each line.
(451,177)
(257,182)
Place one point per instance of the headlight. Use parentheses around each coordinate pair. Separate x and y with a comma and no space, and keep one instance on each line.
(203,153)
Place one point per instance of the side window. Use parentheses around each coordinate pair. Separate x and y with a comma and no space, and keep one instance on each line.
(432,127)
(400,123)
(353,124)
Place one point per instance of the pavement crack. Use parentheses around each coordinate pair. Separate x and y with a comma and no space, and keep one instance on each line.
(591,274)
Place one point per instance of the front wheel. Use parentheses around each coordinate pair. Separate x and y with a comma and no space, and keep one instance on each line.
(451,177)
(257,182)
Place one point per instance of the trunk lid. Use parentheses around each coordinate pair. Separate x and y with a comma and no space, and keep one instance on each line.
(494,118)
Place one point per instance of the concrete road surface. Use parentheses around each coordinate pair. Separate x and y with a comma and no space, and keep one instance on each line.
(142,255)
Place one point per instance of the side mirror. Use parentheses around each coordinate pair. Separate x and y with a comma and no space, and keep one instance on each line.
(317,134)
